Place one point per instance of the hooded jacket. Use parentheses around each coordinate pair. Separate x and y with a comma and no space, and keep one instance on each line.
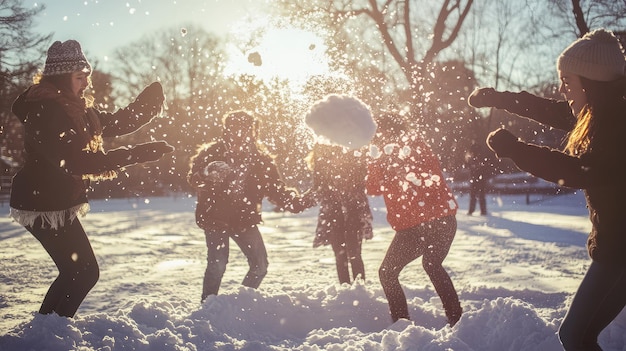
(236,200)
(599,172)
(53,182)
(409,178)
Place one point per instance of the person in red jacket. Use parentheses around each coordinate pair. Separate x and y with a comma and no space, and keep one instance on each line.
(63,144)
(593,111)
(420,208)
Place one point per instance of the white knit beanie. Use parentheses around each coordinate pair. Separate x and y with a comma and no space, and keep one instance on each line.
(65,57)
(598,56)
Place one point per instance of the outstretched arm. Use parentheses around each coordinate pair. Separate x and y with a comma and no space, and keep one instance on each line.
(283,197)
(146,106)
(556,166)
(550,112)
(51,135)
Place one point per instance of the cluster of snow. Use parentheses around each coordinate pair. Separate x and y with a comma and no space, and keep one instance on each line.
(342,120)
(515,271)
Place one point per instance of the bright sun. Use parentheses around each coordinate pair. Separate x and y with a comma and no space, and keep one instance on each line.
(283,53)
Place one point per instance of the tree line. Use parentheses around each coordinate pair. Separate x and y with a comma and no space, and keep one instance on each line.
(424,59)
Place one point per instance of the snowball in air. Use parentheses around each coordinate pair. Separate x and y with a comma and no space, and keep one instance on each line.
(255,58)
(342,120)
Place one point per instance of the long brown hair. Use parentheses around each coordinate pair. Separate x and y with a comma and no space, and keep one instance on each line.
(64,83)
(596,121)
(78,109)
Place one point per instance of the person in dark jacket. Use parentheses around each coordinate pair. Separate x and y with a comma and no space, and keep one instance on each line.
(232,176)
(420,208)
(345,218)
(591,71)
(477,165)
(63,152)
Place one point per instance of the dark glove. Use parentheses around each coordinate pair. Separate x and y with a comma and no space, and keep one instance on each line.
(502,142)
(151,97)
(149,152)
(483,97)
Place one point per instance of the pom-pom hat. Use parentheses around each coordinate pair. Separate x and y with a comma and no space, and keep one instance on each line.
(598,56)
(65,57)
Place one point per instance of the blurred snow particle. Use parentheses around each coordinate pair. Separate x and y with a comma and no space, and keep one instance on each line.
(255,58)
(183,32)
(375,152)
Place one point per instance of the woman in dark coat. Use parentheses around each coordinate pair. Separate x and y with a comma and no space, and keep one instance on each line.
(345,218)
(63,150)
(593,84)
(232,176)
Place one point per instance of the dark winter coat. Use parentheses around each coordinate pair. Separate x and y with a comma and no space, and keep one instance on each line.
(219,204)
(599,172)
(51,179)
(339,183)
(478,166)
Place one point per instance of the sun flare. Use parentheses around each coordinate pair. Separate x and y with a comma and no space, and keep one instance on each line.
(283,53)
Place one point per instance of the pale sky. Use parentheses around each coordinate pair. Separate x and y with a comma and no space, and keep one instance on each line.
(101,26)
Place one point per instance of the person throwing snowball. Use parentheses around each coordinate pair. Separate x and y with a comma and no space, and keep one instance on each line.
(64,151)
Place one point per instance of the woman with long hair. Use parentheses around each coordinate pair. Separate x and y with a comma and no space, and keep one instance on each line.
(591,71)
(63,144)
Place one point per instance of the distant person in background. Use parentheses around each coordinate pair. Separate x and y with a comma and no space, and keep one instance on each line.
(232,176)
(345,218)
(63,146)
(591,71)
(420,208)
(477,165)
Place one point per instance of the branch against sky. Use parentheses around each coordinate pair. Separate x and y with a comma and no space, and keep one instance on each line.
(582,16)
(18,41)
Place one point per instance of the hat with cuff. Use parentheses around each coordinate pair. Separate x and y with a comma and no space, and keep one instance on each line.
(65,57)
(598,56)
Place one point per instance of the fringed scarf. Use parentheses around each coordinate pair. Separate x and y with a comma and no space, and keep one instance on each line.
(51,219)
(80,111)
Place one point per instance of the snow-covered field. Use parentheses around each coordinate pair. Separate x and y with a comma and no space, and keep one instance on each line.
(515,271)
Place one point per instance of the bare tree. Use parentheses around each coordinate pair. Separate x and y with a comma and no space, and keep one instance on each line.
(187,60)
(581,16)
(17,42)
(371,30)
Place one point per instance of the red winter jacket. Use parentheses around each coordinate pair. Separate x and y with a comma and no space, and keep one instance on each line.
(408,176)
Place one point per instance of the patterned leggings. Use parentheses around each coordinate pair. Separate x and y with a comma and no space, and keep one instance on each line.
(431,240)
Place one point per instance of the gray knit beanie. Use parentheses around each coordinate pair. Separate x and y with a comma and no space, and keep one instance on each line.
(598,56)
(65,57)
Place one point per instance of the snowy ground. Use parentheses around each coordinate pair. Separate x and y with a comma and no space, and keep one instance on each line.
(515,271)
